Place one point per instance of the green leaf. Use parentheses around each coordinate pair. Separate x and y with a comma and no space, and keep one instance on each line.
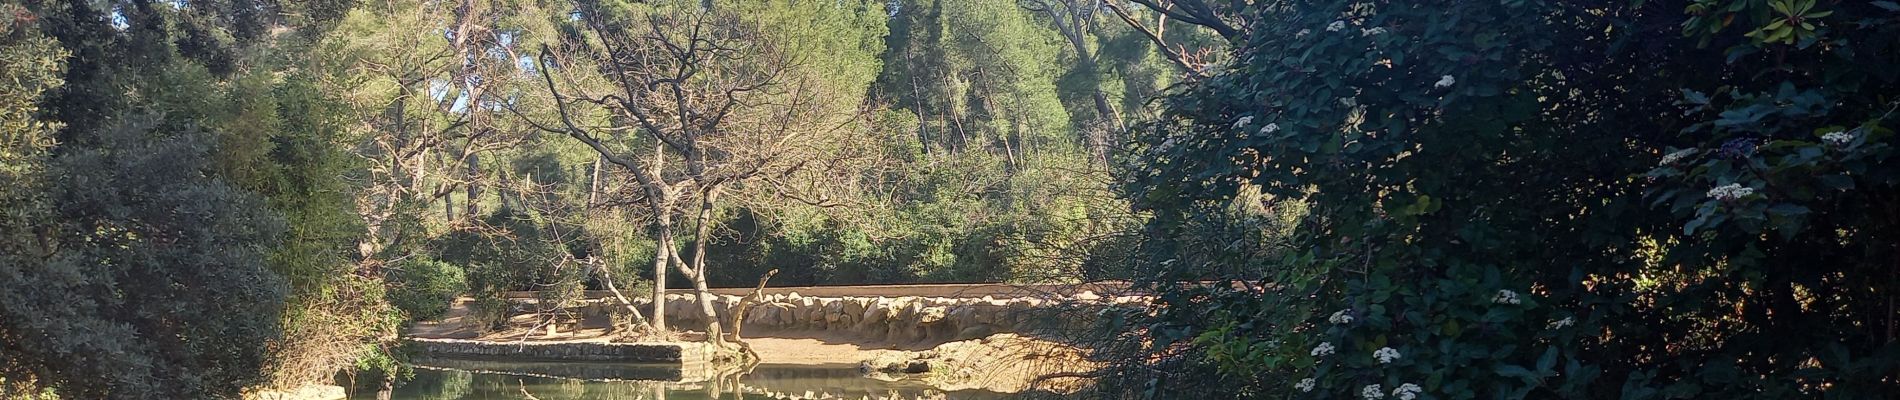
(1837,182)
(1547,361)
(1514,371)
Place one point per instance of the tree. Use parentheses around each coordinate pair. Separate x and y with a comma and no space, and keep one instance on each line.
(150,279)
(162,201)
(716,94)
(431,96)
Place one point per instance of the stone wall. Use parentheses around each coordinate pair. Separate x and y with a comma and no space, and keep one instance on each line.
(667,353)
(903,319)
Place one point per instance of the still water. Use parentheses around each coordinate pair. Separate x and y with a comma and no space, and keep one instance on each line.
(590,381)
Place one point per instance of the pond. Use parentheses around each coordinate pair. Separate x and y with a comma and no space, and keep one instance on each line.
(589,381)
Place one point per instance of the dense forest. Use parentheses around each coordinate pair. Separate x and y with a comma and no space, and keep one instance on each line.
(1326,199)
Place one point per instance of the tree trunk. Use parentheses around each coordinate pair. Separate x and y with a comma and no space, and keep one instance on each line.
(593,185)
(606,277)
(745,304)
(703,233)
(662,252)
(474,187)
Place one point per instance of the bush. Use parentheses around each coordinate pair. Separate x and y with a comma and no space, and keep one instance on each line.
(424,289)
(1526,199)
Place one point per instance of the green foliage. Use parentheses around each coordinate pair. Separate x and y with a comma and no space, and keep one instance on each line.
(510,251)
(1526,199)
(254,151)
(424,288)
(148,278)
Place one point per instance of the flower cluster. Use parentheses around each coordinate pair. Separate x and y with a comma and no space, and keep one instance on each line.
(1407,392)
(1445,82)
(1730,192)
(1506,296)
(1838,138)
(1372,391)
(1678,155)
(1269,129)
(1305,385)
(1386,355)
(1336,26)
(1374,31)
(1323,349)
(1341,317)
(1243,121)
(1562,323)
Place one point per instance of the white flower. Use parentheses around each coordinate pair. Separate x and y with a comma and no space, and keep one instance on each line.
(1348,102)
(1445,82)
(1505,296)
(1838,138)
(1678,155)
(1305,385)
(1335,26)
(1372,391)
(1386,355)
(1303,33)
(1323,349)
(1730,192)
(1340,317)
(1562,323)
(1243,121)
(1270,128)
(1407,391)
(1374,31)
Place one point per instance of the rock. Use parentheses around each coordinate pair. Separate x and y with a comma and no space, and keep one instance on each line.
(833,311)
(856,305)
(787,314)
(876,312)
(908,310)
(931,315)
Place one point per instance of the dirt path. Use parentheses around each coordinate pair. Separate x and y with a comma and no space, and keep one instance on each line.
(809,351)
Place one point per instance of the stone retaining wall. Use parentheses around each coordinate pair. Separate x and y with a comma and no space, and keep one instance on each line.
(666,353)
(902,319)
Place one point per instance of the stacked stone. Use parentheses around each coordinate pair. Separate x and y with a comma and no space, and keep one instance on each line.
(901,319)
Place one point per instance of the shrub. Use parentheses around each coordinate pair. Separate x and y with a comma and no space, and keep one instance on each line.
(424,289)
(1531,199)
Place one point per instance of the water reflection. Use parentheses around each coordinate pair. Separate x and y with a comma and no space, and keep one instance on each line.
(588,381)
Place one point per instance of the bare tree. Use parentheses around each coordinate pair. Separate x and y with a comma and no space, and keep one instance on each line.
(698,104)
(1220,17)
